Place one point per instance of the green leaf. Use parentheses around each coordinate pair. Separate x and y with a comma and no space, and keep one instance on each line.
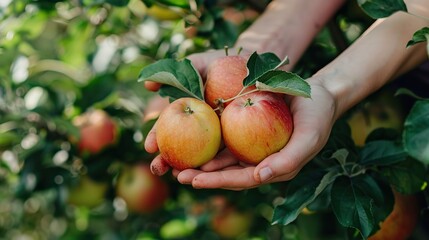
(408,92)
(175,3)
(360,203)
(382,8)
(421,35)
(407,177)
(258,65)
(181,75)
(302,190)
(224,34)
(382,152)
(96,90)
(284,82)
(416,132)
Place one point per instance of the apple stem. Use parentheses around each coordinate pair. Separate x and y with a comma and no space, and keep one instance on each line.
(240,94)
(239,50)
(188,110)
(248,103)
(226,50)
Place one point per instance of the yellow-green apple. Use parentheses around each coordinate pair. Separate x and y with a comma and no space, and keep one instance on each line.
(140,189)
(230,223)
(188,133)
(87,193)
(164,13)
(97,131)
(400,223)
(224,79)
(256,125)
(384,111)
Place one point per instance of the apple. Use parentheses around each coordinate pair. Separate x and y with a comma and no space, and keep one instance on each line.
(224,79)
(140,189)
(164,13)
(384,111)
(97,131)
(188,133)
(401,222)
(87,193)
(230,223)
(256,125)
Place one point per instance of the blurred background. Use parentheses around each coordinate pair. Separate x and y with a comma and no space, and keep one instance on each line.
(73,119)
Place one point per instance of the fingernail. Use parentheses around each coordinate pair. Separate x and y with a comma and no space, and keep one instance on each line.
(265,174)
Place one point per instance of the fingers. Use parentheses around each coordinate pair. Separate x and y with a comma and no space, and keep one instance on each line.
(234,178)
(150,144)
(222,160)
(158,166)
(152,86)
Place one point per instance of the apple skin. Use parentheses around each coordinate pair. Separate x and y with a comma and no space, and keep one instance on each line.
(87,193)
(225,79)
(384,111)
(230,223)
(400,223)
(253,132)
(188,133)
(97,131)
(141,190)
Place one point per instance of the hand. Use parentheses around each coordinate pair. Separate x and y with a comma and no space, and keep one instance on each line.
(313,120)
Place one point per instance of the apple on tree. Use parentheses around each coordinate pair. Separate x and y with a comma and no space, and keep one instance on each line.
(231,223)
(400,223)
(140,189)
(97,131)
(87,193)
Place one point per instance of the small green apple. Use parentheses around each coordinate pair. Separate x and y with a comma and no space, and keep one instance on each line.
(87,193)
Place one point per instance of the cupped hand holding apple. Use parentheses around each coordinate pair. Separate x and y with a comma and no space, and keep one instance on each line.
(227,171)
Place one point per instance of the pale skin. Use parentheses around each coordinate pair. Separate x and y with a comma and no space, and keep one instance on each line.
(377,57)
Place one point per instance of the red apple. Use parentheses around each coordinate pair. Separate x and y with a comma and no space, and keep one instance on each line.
(97,131)
(230,223)
(140,189)
(224,79)
(256,125)
(88,193)
(400,223)
(188,133)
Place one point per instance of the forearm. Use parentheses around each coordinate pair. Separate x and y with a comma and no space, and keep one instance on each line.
(287,27)
(374,59)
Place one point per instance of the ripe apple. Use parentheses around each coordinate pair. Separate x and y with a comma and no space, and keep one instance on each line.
(384,111)
(256,125)
(230,223)
(140,189)
(224,79)
(401,222)
(97,131)
(188,133)
(87,193)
